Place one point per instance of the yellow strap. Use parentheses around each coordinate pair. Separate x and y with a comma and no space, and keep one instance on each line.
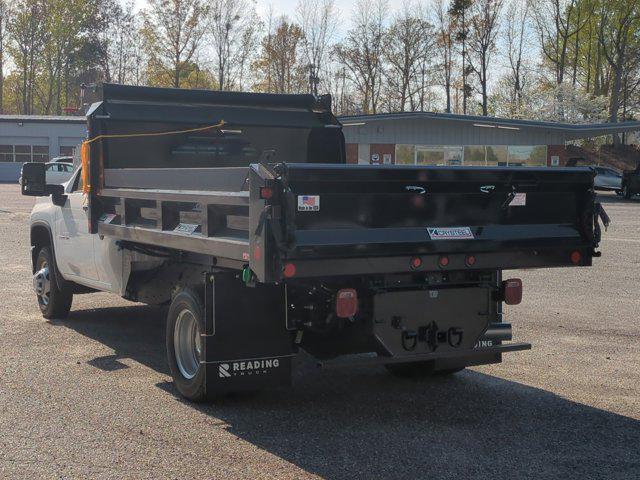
(154,134)
(86,186)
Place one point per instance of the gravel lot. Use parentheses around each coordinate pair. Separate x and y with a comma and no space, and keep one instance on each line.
(91,397)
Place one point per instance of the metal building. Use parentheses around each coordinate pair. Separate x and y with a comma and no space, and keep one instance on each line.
(426,138)
(26,138)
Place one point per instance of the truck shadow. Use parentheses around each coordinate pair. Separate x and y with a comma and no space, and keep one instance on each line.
(364,423)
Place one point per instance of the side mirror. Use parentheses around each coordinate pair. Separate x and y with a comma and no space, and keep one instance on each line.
(33,181)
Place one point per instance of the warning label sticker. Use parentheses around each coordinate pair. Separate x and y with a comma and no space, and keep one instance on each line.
(519,200)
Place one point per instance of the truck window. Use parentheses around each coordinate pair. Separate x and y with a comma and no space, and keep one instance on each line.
(78,184)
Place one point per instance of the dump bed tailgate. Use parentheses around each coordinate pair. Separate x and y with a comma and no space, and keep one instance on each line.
(352,219)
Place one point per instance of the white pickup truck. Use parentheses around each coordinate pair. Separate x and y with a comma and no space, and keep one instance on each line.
(85,262)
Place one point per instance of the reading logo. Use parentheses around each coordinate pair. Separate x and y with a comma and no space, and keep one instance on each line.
(247,367)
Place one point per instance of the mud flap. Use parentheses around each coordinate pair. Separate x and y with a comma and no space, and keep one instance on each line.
(246,344)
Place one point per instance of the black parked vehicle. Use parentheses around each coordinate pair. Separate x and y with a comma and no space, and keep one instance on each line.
(240,212)
(631,182)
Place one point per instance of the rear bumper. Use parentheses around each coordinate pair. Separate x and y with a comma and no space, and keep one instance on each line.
(484,261)
(476,356)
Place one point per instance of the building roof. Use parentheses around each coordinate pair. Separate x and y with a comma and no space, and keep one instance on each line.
(42,119)
(569,131)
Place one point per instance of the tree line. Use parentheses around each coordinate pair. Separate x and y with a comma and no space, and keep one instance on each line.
(571,60)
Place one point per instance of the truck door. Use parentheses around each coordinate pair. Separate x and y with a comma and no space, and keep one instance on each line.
(73,242)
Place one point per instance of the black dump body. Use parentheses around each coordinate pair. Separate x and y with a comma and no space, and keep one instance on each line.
(372,219)
(269,189)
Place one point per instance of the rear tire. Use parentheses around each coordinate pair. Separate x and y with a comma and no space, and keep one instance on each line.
(54,302)
(185,324)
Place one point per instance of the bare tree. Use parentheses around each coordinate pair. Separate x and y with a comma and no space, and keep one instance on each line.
(445,42)
(618,22)
(556,26)
(485,15)
(516,39)
(318,20)
(173,32)
(361,51)
(119,42)
(4,19)
(459,11)
(233,37)
(407,47)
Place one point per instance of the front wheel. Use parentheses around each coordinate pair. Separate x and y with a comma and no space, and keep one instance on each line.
(54,302)
(185,324)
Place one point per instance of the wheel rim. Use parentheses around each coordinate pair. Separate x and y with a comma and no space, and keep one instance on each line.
(42,284)
(187,344)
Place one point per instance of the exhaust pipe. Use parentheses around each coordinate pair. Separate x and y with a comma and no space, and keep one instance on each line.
(497,332)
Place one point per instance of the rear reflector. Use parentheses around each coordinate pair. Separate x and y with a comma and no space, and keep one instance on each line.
(512,291)
(346,303)
(576,257)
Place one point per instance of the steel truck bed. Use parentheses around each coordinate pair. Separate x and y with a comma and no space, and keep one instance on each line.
(189,171)
(240,213)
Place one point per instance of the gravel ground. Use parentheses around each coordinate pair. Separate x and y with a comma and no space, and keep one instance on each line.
(91,397)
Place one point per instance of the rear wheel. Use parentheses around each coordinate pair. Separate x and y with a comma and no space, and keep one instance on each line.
(185,324)
(54,302)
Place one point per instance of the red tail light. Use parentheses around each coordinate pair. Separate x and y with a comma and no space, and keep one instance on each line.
(289,270)
(512,291)
(346,303)
(443,261)
(416,262)
(266,193)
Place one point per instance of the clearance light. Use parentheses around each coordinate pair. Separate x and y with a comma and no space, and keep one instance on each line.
(443,261)
(416,262)
(576,257)
(289,270)
(512,291)
(346,303)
